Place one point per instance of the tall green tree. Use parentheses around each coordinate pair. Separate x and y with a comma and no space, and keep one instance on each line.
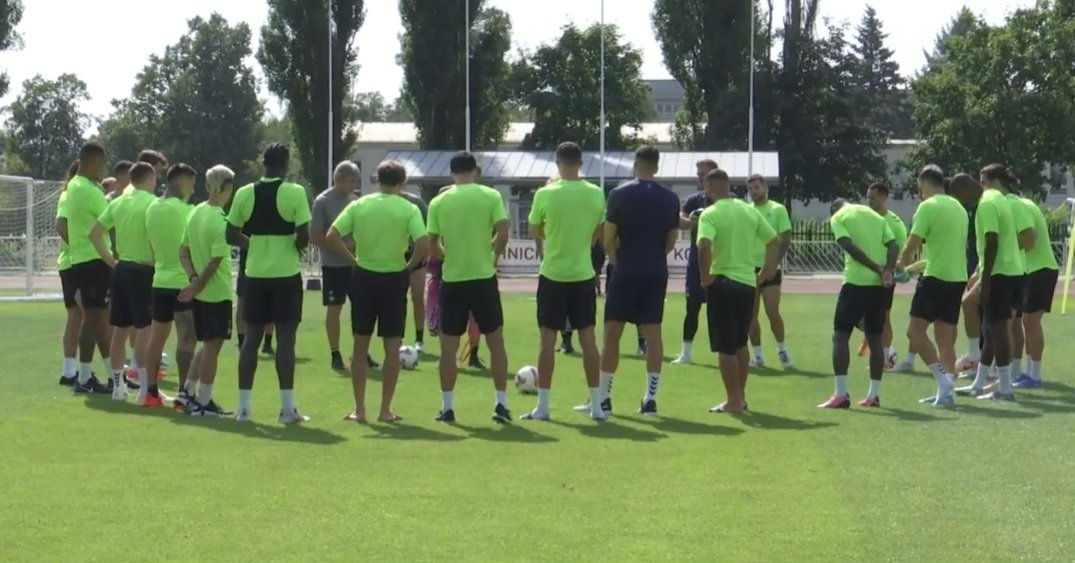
(46,126)
(876,78)
(294,54)
(371,107)
(706,47)
(559,84)
(433,56)
(10,16)
(197,102)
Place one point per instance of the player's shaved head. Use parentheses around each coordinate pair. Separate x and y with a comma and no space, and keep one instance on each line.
(838,204)
(647,160)
(143,172)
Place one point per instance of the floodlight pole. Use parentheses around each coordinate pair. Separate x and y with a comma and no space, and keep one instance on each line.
(750,115)
(466,64)
(331,137)
(602,132)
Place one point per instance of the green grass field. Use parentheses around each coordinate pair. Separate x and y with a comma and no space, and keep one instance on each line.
(90,479)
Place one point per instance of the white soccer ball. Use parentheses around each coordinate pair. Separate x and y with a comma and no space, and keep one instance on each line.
(408,357)
(526,380)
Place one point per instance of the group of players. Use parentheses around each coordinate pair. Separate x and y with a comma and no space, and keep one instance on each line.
(171,263)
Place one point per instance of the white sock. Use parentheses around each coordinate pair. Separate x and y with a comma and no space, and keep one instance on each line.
(981,377)
(606,385)
(502,398)
(448,399)
(595,396)
(875,388)
(117,378)
(758,352)
(134,361)
(244,399)
(841,385)
(1004,383)
(85,371)
(911,357)
(974,353)
(944,382)
(686,350)
(70,368)
(653,380)
(1017,366)
(287,400)
(543,401)
(780,347)
(889,352)
(205,394)
(107,363)
(191,386)
(1035,370)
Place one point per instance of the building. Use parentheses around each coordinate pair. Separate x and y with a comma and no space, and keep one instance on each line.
(667,97)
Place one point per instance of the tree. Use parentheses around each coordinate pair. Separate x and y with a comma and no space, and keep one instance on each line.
(876,77)
(10,16)
(706,47)
(46,125)
(560,85)
(294,55)
(432,53)
(197,103)
(371,107)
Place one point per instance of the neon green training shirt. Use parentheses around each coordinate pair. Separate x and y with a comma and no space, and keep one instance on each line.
(272,256)
(63,261)
(383,226)
(942,222)
(777,216)
(899,228)
(166,221)
(85,202)
(1040,257)
(570,211)
(127,214)
(464,217)
(994,215)
(206,238)
(871,233)
(735,229)
(1023,220)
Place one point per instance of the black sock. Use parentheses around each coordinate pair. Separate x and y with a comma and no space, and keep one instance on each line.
(154,391)
(419,335)
(641,342)
(268,340)
(566,335)
(336,354)
(241,338)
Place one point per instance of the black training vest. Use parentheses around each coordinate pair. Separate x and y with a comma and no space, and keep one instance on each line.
(265,218)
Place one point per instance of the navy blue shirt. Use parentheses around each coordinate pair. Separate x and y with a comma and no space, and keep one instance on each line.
(696,201)
(644,212)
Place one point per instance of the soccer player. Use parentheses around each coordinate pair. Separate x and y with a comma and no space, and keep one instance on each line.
(692,208)
(729,233)
(1023,217)
(85,202)
(335,270)
(468,227)
(132,273)
(69,286)
(470,354)
(418,278)
(276,213)
(641,227)
(1000,268)
(1038,295)
(166,221)
(870,255)
(159,163)
(769,290)
(566,215)
(382,224)
(941,223)
(969,194)
(206,259)
(121,180)
(877,199)
(240,292)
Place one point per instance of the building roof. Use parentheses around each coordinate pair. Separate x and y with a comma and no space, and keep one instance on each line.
(536,167)
(407,133)
(666,89)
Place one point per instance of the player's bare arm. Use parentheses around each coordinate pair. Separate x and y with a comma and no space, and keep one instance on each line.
(992,243)
(1027,239)
(858,255)
(670,240)
(236,237)
(302,237)
(97,237)
(61,229)
(333,242)
(420,253)
(611,241)
(910,250)
(705,261)
(500,240)
(774,252)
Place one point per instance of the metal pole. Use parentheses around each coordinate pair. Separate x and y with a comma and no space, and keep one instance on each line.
(602,141)
(750,117)
(331,136)
(466,64)
(31,238)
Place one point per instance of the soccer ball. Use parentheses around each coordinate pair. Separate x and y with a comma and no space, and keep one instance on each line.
(408,357)
(526,380)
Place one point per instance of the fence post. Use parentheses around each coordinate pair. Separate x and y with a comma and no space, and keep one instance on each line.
(31,239)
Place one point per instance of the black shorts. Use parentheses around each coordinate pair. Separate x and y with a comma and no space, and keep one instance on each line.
(729,314)
(212,321)
(636,298)
(273,300)
(860,306)
(1002,295)
(936,300)
(695,291)
(166,304)
(559,303)
(778,279)
(240,280)
(93,280)
(1019,295)
(69,286)
(379,299)
(132,295)
(890,295)
(335,284)
(1039,290)
(460,300)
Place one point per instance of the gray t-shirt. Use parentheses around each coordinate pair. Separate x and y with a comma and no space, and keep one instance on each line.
(422,206)
(327,207)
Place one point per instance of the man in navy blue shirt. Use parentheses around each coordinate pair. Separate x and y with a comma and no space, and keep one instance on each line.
(641,225)
(692,208)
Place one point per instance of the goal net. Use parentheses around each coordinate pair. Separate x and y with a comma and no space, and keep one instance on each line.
(29,244)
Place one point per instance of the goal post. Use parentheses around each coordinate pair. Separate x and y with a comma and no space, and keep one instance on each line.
(29,245)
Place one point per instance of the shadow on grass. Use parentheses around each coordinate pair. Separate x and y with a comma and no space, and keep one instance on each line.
(910,416)
(507,433)
(612,429)
(680,426)
(970,405)
(279,433)
(1045,406)
(404,431)
(766,421)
